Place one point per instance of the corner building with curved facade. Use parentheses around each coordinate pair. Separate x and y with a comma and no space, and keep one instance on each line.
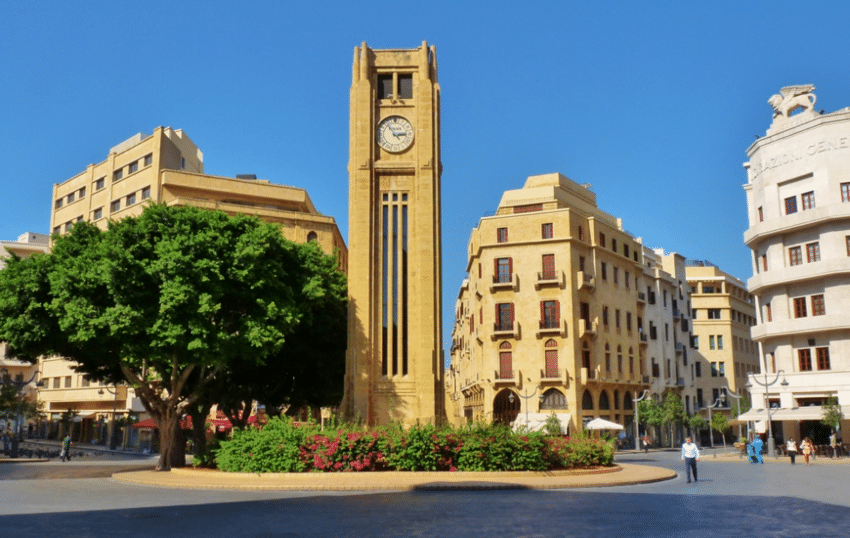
(798,200)
(564,311)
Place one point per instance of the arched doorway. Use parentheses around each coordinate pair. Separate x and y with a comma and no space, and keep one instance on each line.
(504,410)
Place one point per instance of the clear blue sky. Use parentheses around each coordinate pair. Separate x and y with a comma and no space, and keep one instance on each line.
(653,103)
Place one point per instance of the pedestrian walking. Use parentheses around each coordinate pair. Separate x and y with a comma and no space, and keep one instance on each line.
(833,444)
(646,442)
(66,449)
(807,447)
(791,449)
(690,455)
(758,449)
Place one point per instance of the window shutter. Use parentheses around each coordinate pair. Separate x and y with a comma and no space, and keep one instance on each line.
(542,311)
(558,312)
(511,267)
(512,315)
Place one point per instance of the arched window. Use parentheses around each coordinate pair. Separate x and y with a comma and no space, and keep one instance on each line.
(587,401)
(504,409)
(312,237)
(607,358)
(627,401)
(620,359)
(604,404)
(631,360)
(616,399)
(553,399)
(506,366)
(551,358)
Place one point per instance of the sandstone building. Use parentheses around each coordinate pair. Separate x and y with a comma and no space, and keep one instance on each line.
(564,311)
(394,363)
(798,202)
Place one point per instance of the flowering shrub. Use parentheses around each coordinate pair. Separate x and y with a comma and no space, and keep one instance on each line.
(282,446)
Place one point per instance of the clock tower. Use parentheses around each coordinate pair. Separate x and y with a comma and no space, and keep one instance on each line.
(394,362)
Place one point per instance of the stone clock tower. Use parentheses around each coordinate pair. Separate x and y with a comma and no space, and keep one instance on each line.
(394,363)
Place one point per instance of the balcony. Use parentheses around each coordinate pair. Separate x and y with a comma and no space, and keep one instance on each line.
(586,281)
(506,330)
(680,382)
(680,347)
(644,339)
(504,282)
(641,297)
(645,380)
(587,328)
(552,329)
(550,278)
(506,377)
(590,374)
(559,376)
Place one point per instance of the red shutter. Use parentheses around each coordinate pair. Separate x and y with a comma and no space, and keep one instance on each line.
(512,315)
(510,268)
(542,312)
(558,312)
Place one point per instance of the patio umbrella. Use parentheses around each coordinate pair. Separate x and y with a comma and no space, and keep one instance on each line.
(602,424)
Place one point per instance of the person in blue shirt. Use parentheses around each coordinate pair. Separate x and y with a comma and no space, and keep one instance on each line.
(690,455)
(758,448)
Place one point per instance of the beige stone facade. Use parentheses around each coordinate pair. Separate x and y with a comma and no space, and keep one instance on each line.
(551,315)
(394,364)
(166,167)
(724,353)
(798,201)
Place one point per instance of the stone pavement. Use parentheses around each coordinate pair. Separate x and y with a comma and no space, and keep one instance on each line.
(188,478)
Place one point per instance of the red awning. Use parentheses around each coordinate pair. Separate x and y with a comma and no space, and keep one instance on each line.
(223,424)
(150,423)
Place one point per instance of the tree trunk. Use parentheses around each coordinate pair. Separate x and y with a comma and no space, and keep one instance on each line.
(199,431)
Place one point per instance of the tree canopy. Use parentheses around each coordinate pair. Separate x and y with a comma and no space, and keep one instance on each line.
(175,299)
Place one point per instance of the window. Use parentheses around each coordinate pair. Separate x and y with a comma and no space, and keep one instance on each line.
(505,317)
(99,183)
(628,321)
(602,239)
(790,205)
(808,199)
(68,226)
(97,213)
(182,162)
(546,231)
(85,381)
(405,86)
(385,86)
(67,382)
(580,233)
(719,341)
(118,174)
(698,369)
(553,398)
(699,399)
(148,160)
(768,314)
(56,382)
(504,268)
(59,203)
(818,307)
(713,313)
(131,199)
(847,240)
(548,265)
(146,193)
(115,206)
(70,197)
(764,262)
(549,315)
(804,356)
(614,245)
(713,369)
(607,358)
(626,251)
(133,167)
(312,237)
(82,193)
(604,271)
(822,357)
(605,315)
(616,275)
(617,318)
(628,277)
(800,307)
(581,263)
(695,342)
(761,214)
(502,235)
(812,252)
(711,342)
(721,369)
(795,256)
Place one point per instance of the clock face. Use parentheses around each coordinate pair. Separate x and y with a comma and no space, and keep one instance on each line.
(395,134)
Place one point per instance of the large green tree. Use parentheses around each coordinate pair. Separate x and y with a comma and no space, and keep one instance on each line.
(672,411)
(169,302)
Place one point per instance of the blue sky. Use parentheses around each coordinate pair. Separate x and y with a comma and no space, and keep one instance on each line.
(653,103)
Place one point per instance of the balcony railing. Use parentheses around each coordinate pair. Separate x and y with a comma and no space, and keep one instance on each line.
(549,278)
(503,281)
(586,280)
(505,374)
(510,330)
(641,297)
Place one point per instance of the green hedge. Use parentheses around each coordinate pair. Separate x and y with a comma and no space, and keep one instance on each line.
(283,446)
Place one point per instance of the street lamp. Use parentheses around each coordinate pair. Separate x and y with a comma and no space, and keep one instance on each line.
(114,391)
(19,385)
(637,430)
(526,398)
(771,442)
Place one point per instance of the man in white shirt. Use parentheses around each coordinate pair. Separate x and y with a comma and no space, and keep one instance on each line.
(690,455)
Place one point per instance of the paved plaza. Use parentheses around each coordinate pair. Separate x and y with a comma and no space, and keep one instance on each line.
(732,498)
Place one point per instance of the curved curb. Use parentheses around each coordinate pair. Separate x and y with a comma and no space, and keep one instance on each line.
(618,475)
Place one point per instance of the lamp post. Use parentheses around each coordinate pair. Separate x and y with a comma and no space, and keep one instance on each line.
(114,391)
(637,429)
(526,398)
(710,429)
(738,403)
(771,442)
(19,385)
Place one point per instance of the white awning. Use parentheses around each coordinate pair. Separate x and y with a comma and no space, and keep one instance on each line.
(810,412)
(536,421)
